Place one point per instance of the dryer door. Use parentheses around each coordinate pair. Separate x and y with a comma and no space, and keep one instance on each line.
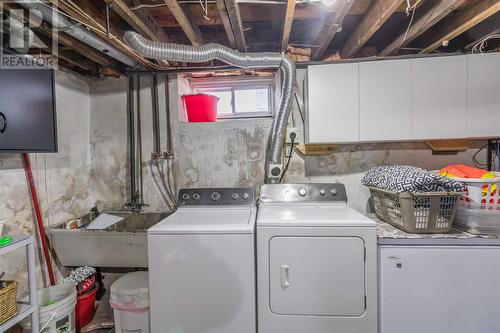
(317,276)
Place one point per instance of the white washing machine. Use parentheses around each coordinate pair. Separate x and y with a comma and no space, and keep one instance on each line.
(202,264)
(316,262)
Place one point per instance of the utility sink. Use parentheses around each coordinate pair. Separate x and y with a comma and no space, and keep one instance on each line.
(124,244)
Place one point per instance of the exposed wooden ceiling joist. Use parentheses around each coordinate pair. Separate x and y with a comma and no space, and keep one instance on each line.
(147,28)
(221,6)
(374,18)
(233,24)
(191,30)
(331,25)
(87,8)
(462,22)
(287,23)
(440,10)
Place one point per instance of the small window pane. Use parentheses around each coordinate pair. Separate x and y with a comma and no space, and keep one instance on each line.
(252,100)
(224,106)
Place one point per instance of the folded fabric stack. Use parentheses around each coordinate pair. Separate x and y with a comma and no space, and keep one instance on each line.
(403,178)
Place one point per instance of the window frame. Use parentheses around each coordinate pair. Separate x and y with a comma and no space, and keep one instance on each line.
(232,84)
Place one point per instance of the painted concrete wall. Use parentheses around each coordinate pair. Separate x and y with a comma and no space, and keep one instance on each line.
(63,178)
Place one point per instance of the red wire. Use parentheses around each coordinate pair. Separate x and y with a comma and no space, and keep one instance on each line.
(38,213)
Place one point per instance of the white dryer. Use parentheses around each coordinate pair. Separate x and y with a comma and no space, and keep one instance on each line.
(316,262)
(202,264)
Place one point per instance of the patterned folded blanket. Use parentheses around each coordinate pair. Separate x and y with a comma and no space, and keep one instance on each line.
(403,178)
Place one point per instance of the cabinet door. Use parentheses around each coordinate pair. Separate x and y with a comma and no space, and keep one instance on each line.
(333,105)
(439,97)
(385,100)
(439,289)
(317,276)
(484,95)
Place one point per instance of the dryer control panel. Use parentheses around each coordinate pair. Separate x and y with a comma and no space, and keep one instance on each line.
(217,197)
(333,192)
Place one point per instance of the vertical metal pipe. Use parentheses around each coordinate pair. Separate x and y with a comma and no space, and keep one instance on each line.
(139,138)
(131,124)
(170,151)
(156,115)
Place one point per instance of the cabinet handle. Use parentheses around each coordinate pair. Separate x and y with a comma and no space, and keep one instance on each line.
(285,276)
(3,123)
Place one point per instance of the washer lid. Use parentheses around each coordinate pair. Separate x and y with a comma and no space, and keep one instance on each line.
(292,215)
(207,221)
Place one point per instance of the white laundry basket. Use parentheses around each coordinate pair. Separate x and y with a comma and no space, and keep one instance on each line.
(479,209)
(130,302)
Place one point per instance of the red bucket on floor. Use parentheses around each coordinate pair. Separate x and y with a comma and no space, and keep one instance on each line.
(201,107)
(85,306)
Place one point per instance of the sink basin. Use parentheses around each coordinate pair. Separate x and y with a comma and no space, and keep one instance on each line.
(123,244)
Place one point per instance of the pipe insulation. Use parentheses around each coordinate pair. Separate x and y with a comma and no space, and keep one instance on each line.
(61,22)
(203,53)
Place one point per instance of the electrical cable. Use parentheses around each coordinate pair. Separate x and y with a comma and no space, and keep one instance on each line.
(478,164)
(292,146)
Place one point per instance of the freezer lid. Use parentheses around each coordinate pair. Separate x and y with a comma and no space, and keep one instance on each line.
(312,215)
(207,221)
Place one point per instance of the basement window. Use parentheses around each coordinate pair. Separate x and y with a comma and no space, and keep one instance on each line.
(239,98)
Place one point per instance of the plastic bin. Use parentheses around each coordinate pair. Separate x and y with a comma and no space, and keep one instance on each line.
(129,298)
(430,212)
(201,107)
(85,306)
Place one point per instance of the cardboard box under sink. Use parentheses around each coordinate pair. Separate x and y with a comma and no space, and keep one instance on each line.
(121,245)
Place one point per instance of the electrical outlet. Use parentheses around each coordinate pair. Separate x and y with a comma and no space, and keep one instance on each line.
(291,130)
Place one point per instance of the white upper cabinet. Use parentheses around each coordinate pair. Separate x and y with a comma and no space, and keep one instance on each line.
(403,100)
(385,100)
(333,103)
(439,97)
(484,95)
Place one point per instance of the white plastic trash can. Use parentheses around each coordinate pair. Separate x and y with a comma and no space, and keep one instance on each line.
(129,299)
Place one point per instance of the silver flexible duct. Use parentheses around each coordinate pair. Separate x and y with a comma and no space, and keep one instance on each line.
(75,30)
(185,53)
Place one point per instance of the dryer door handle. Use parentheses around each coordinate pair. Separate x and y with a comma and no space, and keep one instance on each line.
(285,276)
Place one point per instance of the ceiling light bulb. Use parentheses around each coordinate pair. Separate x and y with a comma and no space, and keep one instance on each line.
(328,3)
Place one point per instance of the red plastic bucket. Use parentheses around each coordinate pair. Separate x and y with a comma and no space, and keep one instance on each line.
(85,306)
(201,107)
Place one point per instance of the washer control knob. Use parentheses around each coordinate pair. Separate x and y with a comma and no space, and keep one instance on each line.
(235,196)
(215,196)
(245,196)
(302,192)
(333,191)
(185,196)
(322,191)
(196,196)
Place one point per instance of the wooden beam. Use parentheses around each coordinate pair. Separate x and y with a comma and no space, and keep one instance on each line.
(233,24)
(456,145)
(374,18)
(317,149)
(287,23)
(191,30)
(466,19)
(86,8)
(331,25)
(433,15)
(148,28)
(221,6)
